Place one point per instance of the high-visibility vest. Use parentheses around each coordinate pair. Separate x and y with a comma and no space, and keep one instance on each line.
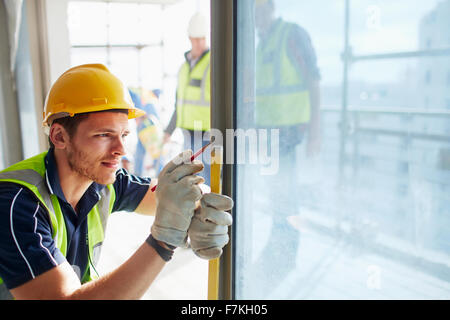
(282,98)
(30,173)
(193,95)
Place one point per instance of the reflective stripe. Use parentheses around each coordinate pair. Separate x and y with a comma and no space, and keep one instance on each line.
(4,292)
(196,103)
(61,233)
(195,83)
(280,90)
(205,96)
(97,222)
(33,181)
(28,175)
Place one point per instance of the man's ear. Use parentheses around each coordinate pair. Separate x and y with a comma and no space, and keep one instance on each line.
(58,136)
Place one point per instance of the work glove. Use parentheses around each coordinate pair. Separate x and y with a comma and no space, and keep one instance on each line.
(176,196)
(208,232)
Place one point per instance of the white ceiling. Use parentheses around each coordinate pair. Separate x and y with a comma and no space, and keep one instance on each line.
(135,1)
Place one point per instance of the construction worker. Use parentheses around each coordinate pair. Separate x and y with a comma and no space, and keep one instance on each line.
(192,107)
(54,206)
(287,99)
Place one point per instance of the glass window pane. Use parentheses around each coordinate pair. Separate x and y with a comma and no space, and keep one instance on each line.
(167,98)
(124,21)
(176,41)
(151,23)
(125,65)
(88,55)
(400,83)
(151,69)
(87,22)
(383,26)
(346,196)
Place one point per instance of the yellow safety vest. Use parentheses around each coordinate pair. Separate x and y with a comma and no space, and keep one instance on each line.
(30,173)
(282,98)
(193,95)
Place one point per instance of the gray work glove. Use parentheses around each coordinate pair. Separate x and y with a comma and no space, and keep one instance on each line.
(208,231)
(176,194)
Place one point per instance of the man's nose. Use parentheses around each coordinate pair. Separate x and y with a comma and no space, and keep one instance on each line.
(119,147)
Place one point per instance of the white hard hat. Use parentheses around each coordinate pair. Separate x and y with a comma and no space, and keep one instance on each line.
(197,26)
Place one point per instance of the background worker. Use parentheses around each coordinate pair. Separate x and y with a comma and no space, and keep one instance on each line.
(192,106)
(287,98)
(149,131)
(54,206)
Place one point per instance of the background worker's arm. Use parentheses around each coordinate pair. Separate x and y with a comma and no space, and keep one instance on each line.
(171,126)
(176,195)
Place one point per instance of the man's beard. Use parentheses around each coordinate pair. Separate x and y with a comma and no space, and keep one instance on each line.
(79,162)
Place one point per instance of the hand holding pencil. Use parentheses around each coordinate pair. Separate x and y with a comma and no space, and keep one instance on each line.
(195,155)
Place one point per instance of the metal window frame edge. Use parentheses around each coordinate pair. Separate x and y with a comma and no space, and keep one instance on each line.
(223,116)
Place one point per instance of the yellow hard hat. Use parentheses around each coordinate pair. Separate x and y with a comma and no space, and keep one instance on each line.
(87,88)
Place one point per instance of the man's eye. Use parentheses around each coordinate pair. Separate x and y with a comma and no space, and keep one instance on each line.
(102,135)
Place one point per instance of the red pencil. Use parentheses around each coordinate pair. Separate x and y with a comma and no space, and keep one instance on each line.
(195,155)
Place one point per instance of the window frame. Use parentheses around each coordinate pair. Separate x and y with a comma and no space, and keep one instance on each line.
(223,112)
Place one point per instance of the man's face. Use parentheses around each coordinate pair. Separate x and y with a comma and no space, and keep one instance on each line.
(95,150)
(198,46)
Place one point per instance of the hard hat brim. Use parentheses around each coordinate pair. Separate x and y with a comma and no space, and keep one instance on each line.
(132,113)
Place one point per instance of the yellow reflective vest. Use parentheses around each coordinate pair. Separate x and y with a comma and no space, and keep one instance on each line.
(282,98)
(193,95)
(30,173)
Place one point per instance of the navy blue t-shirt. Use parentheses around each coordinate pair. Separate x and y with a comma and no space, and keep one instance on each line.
(27,248)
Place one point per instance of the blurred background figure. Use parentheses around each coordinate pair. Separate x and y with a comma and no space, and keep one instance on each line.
(192,106)
(149,133)
(287,99)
